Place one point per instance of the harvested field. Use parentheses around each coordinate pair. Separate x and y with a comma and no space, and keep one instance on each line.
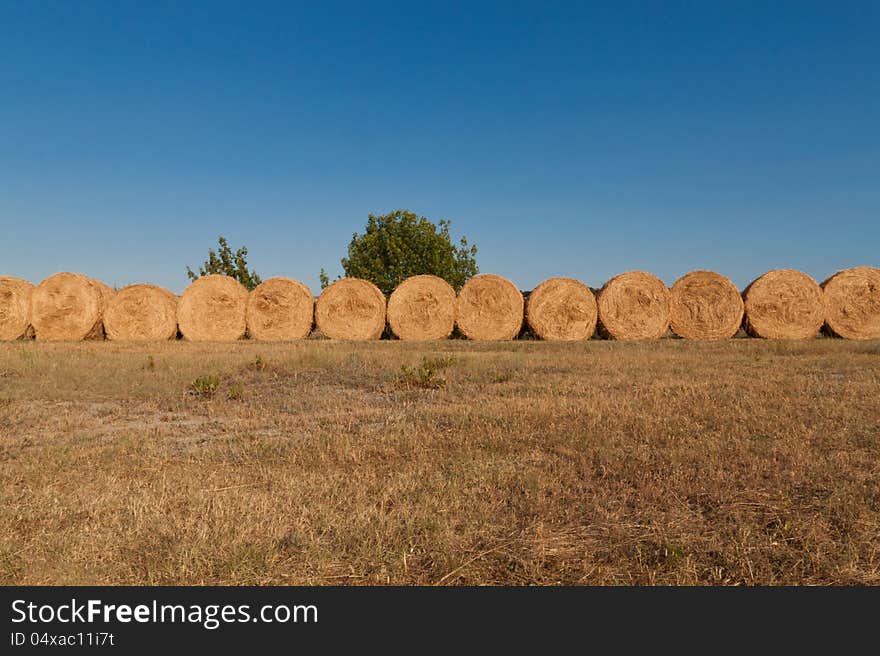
(599,462)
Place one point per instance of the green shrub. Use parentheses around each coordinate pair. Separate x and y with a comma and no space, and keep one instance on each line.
(236,391)
(401,244)
(228,263)
(424,376)
(205,385)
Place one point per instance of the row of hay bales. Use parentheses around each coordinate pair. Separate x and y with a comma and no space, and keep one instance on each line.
(781,304)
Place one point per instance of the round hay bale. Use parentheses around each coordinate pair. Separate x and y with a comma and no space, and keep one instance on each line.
(106,291)
(351,308)
(562,309)
(784,304)
(422,307)
(15,307)
(213,309)
(633,306)
(107,294)
(143,313)
(705,305)
(852,303)
(280,309)
(490,308)
(68,306)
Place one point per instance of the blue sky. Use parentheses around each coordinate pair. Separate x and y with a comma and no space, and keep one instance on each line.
(572,139)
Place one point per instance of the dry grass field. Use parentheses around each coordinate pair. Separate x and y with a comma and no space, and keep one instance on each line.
(317,462)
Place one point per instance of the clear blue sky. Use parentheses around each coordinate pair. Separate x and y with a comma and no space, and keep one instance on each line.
(569,139)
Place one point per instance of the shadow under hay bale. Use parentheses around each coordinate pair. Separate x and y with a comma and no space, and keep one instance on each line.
(351,309)
(212,309)
(280,309)
(633,306)
(490,308)
(852,303)
(144,313)
(783,304)
(561,309)
(705,305)
(422,308)
(69,307)
(15,308)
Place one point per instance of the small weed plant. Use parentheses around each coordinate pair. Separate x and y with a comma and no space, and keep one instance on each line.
(424,376)
(205,386)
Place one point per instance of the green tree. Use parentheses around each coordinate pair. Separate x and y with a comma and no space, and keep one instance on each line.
(401,244)
(228,263)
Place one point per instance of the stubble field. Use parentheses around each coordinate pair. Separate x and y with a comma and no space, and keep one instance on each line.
(319,462)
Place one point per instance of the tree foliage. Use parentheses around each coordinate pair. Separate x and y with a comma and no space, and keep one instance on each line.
(228,263)
(401,244)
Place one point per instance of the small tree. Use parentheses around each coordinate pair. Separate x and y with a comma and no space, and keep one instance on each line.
(401,244)
(227,263)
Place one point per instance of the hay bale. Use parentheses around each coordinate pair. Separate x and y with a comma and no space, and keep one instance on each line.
(633,306)
(280,309)
(107,294)
(145,313)
(422,307)
(490,308)
(783,304)
(351,308)
(106,291)
(213,309)
(68,306)
(15,308)
(562,309)
(852,303)
(705,305)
